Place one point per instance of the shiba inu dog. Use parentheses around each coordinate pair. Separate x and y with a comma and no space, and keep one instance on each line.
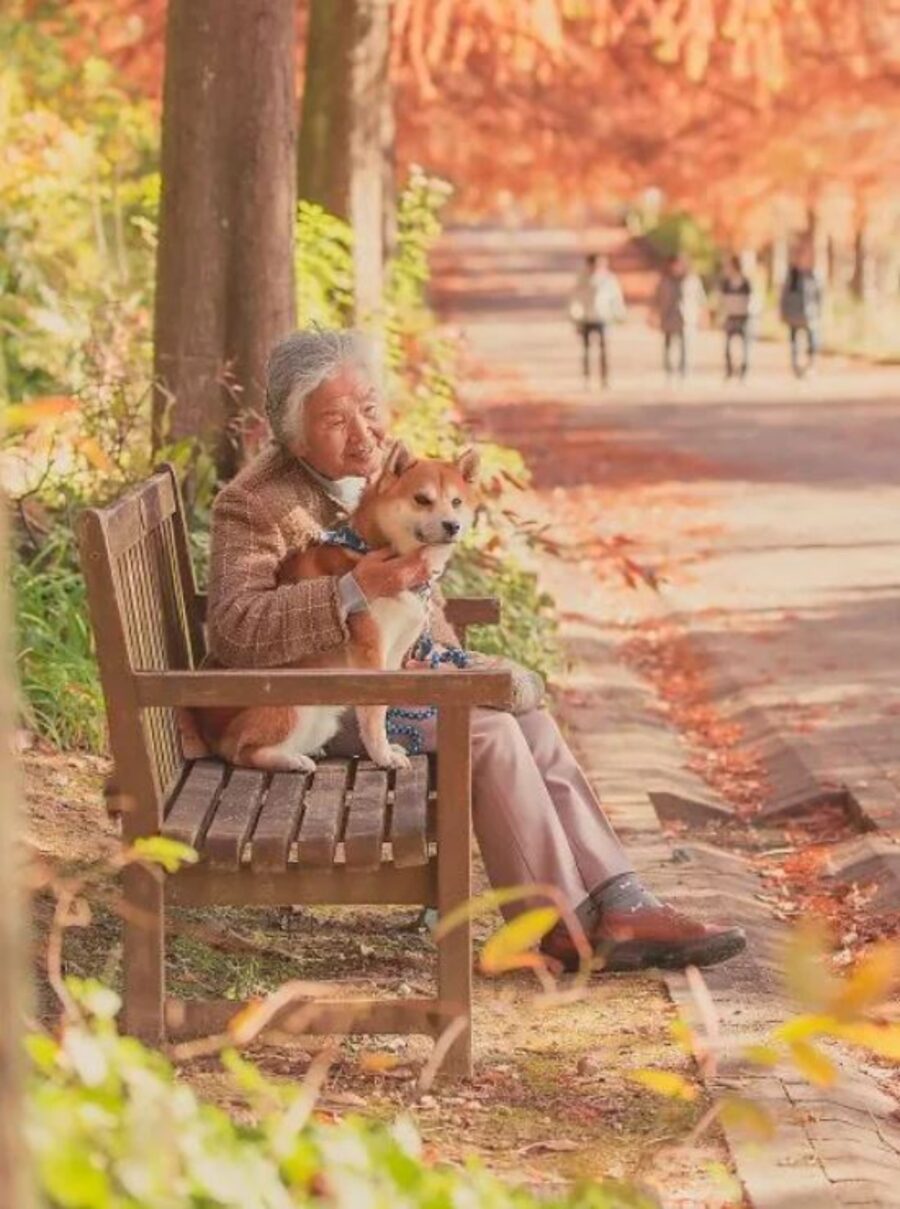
(412,503)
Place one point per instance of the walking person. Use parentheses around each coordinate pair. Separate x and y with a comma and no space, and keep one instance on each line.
(735,309)
(596,303)
(801,310)
(680,302)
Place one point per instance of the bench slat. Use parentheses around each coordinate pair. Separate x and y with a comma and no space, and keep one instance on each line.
(409,819)
(324,813)
(277,823)
(193,804)
(366,811)
(235,815)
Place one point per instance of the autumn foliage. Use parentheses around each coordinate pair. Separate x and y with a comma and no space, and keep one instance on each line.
(726,104)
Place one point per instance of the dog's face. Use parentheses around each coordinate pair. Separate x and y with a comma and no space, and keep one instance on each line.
(424,502)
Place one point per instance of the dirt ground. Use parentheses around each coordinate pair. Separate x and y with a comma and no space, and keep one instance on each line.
(552,1100)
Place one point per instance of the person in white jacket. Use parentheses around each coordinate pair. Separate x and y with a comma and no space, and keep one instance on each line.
(596,303)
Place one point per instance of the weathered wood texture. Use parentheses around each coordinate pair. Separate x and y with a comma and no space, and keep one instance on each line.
(348,833)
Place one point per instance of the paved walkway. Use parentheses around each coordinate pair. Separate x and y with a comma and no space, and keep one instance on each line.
(771,508)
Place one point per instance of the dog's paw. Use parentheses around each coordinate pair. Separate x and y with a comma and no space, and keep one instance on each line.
(394,756)
(299,764)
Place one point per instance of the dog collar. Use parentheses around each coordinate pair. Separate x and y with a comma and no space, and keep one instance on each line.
(346,537)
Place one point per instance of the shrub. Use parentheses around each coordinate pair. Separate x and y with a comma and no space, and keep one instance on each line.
(679,232)
(112,1127)
(56,666)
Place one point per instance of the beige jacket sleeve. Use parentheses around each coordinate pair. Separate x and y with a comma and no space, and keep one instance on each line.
(252,621)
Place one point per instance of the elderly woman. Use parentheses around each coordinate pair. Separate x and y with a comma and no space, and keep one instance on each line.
(535,815)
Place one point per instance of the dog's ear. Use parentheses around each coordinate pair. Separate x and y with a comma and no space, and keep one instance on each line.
(398,461)
(469,463)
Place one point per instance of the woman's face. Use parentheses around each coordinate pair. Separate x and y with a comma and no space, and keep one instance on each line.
(343,427)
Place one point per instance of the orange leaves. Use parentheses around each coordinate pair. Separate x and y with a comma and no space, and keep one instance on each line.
(35,412)
(665,655)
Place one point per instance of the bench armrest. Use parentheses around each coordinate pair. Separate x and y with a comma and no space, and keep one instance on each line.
(233,688)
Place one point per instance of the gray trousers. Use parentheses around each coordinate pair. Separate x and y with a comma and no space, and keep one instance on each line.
(535,815)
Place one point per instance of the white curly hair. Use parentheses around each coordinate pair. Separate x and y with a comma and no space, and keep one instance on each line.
(302,362)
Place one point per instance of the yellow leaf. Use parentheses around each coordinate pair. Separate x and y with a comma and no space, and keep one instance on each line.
(872,980)
(812,1063)
(474,907)
(761,1055)
(665,1083)
(747,1116)
(881,1039)
(801,1028)
(806,971)
(507,947)
(682,1035)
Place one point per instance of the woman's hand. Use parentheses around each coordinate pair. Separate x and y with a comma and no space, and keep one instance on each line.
(383,573)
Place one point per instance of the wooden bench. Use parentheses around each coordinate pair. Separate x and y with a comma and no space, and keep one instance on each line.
(348,833)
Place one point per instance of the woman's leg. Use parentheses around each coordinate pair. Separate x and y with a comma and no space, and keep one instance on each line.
(520,833)
(598,852)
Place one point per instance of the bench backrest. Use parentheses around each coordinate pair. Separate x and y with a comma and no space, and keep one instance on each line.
(146,617)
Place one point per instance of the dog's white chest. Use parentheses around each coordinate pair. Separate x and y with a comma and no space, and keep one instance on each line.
(400,620)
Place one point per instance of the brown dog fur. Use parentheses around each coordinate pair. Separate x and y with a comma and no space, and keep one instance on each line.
(392,513)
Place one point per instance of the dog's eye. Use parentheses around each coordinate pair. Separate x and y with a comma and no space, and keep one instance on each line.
(422,500)
(457,502)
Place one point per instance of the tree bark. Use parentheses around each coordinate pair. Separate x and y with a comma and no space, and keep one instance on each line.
(16,1188)
(346,132)
(862,282)
(225,286)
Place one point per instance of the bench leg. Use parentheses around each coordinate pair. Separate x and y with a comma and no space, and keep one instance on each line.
(144,955)
(455,879)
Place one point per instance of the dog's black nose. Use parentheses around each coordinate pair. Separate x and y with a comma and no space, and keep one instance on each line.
(451,528)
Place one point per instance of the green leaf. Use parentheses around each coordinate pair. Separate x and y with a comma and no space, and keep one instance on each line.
(94,997)
(42,1050)
(73,1178)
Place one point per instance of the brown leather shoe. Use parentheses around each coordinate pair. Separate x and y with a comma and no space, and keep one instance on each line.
(653,936)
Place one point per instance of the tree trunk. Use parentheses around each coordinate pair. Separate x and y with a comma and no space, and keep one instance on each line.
(817,237)
(346,132)
(862,281)
(15,1169)
(225,286)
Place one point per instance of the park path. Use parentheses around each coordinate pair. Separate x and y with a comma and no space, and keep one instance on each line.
(770,508)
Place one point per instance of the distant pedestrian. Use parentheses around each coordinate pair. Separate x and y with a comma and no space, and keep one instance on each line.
(801,310)
(680,302)
(735,310)
(595,305)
